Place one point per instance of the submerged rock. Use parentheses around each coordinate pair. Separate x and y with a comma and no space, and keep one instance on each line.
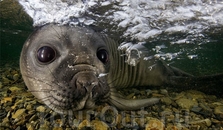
(18,113)
(218,111)
(40,109)
(154,124)
(95,125)
(205,122)
(14,89)
(186,103)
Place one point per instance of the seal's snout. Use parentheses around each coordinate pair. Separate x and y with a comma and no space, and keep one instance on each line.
(87,80)
(90,83)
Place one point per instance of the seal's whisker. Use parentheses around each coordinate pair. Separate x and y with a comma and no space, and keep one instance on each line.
(112,90)
(58,107)
(36,79)
(53,75)
(58,34)
(49,98)
(52,105)
(47,83)
(46,98)
(46,90)
(113,80)
(43,90)
(65,35)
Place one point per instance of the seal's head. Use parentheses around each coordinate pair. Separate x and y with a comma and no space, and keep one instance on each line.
(61,65)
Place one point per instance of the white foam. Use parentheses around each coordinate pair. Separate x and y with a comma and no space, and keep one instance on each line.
(139,19)
(55,11)
(144,19)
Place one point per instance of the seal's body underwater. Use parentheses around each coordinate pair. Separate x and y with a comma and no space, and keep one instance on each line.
(74,68)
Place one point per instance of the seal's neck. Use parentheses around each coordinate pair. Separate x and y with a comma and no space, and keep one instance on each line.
(146,73)
(122,75)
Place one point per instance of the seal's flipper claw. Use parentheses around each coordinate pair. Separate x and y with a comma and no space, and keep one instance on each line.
(130,104)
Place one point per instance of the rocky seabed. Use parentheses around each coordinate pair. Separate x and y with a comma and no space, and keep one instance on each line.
(187,110)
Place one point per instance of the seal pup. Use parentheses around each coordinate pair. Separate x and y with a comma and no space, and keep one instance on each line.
(75,68)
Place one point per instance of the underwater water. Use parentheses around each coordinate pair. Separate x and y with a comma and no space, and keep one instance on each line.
(200,55)
(178,32)
(201,52)
(11,45)
(15,27)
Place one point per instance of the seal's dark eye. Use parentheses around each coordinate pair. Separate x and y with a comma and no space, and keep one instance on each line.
(46,54)
(102,55)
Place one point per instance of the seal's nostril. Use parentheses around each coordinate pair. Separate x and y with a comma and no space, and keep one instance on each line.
(96,91)
(86,80)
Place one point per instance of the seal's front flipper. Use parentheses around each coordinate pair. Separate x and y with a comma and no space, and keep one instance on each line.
(130,104)
(211,84)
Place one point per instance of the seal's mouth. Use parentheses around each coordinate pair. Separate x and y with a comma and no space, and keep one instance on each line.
(83,90)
